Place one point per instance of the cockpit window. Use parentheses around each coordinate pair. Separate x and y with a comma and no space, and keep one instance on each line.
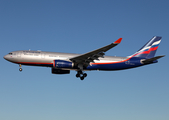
(10,53)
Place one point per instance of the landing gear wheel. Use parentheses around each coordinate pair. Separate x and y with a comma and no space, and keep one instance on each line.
(77,75)
(85,75)
(81,74)
(82,78)
(20,69)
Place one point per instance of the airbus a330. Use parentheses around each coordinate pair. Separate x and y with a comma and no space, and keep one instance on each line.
(62,63)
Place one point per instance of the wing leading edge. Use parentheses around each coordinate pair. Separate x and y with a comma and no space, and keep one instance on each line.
(94,55)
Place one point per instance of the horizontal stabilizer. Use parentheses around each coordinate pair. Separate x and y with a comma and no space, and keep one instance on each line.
(152,59)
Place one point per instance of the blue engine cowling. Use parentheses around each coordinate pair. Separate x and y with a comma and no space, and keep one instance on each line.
(62,64)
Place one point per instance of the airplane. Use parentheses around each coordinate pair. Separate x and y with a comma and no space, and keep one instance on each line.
(62,63)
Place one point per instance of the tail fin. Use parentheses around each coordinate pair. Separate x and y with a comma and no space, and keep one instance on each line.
(149,49)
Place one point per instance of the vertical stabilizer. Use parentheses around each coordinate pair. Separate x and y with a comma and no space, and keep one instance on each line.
(149,49)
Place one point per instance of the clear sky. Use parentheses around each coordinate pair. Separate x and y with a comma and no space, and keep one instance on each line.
(80,26)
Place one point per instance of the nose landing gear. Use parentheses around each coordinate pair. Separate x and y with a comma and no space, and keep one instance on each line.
(20,69)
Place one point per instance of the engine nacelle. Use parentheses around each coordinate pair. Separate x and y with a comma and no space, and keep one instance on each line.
(59,71)
(62,64)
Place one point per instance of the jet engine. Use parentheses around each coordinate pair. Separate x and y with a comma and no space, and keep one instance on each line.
(62,64)
(59,71)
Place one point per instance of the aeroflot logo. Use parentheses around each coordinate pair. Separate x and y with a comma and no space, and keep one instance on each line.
(31,52)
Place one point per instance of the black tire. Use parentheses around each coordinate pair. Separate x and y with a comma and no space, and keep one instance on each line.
(77,75)
(85,75)
(82,78)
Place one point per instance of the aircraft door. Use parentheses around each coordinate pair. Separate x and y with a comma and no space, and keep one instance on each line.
(19,54)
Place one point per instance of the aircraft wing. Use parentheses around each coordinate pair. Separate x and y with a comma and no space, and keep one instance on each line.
(95,54)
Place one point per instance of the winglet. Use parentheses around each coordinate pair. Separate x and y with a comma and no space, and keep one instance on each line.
(118,41)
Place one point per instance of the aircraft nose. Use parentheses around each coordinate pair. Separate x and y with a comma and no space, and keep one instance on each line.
(6,57)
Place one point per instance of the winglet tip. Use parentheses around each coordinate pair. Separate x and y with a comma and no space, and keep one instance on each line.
(118,41)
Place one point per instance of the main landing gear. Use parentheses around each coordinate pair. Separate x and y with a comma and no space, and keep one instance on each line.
(20,69)
(80,72)
(81,75)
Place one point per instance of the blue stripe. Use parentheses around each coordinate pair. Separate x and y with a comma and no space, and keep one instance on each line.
(155,45)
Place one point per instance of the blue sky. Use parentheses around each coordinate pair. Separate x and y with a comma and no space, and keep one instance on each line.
(79,26)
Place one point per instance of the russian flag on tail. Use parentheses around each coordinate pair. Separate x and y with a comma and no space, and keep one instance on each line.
(149,49)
